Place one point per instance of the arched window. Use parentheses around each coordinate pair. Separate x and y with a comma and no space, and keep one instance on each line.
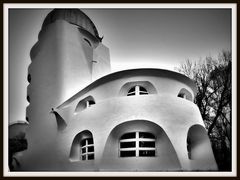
(137,90)
(82,147)
(87,149)
(90,103)
(182,95)
(137,144)
(185,94)
(85,103)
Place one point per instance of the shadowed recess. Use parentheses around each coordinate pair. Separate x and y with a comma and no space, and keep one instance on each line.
(61,124)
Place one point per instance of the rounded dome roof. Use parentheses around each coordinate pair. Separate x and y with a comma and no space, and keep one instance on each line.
(73,16)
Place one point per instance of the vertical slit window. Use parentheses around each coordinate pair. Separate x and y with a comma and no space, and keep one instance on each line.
(29,78)
(28,99)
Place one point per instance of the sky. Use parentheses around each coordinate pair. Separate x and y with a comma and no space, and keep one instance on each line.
(154,38)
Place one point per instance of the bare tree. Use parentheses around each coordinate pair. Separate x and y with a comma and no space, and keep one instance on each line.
(213,80)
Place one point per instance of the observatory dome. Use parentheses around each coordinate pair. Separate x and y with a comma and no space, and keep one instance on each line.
(73,16)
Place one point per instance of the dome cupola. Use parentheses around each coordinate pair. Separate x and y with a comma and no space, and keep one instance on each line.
(73,16)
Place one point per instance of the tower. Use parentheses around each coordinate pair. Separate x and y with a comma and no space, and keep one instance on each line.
(69,55)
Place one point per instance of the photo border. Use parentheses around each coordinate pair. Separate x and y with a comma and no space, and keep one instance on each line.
(6,173)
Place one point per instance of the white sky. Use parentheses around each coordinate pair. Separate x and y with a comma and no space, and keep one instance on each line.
(159,38)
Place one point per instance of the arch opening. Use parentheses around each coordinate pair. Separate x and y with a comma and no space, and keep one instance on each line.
(82,148)
(146,144)
(198,143)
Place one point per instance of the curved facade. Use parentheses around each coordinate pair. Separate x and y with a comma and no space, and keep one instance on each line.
(160,112)
(132,120)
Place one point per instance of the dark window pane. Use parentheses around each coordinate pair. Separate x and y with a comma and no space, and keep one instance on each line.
(91,102)
(83,150)
(90,141)
(142,89)
(28,99)
(90,156)
(131,90)
(142,93)
(83,142)
(146,144)
(127,153)
(146,153)
(29,78)
(84,157)
(127,144)
(128,135)
(146,135)
(181,95)
(91,149)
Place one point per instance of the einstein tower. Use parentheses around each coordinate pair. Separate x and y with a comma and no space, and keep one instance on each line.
(84,118)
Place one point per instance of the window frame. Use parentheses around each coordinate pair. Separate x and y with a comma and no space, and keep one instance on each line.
(137,91)
(137,139)
(86,146)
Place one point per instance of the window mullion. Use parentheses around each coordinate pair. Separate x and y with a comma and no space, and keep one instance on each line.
(87,104)
(137,90)
(87,147)
(137,144)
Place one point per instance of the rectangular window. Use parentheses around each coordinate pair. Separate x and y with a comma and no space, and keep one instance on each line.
(83,150)
(91,149)
(90,156)
(127,144)
(87,149)
(147,153)
(84,157)
(137,144)
(146,135)
(127,153)
(128,136)
(146,143)
(83,142)
(90,141)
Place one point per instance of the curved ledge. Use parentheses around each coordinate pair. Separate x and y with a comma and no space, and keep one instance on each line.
(61,124)
(133,72)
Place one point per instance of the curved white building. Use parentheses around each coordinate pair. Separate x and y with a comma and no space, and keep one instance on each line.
(81,118)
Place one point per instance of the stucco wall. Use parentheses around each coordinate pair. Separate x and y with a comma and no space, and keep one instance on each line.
(163,110)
